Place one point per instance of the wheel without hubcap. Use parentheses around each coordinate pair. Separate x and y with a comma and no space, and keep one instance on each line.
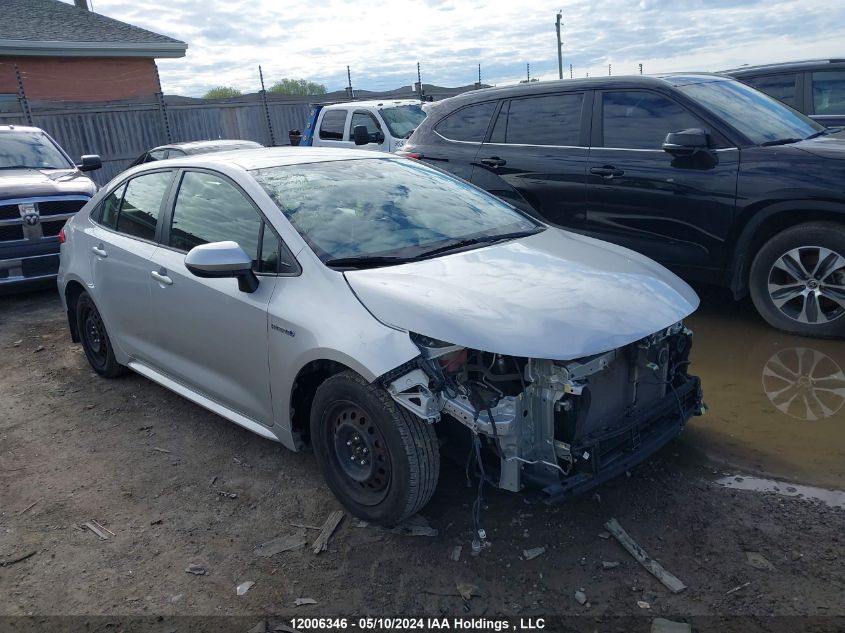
(95,339)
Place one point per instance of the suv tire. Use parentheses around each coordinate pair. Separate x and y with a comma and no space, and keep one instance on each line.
(797,280)
(95,339)
(379,460)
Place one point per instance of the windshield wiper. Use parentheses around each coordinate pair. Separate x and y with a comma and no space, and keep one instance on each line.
(823,132)
(780,141)
(366,261)
(472,241)
(29,167)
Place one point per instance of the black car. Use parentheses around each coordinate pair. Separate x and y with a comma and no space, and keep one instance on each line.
(714,179)
(814,87)
(40,188)
(175,150)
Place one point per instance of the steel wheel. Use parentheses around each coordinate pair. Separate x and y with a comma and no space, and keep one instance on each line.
(807,284)
(360,452)
(94,336)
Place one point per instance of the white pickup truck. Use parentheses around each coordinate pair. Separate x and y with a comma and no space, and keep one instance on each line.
(382,125)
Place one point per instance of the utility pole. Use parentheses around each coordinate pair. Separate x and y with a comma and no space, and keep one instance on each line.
(570,71)
(350,94)
(641,69)
(478,83)
(608,70)
(528,72)
(419,84)
(559,46)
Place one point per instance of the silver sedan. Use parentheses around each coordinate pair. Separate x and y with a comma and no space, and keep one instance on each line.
(366,305)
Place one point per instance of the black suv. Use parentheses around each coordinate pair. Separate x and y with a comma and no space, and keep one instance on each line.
(815,87)
(40,188)
(714,179)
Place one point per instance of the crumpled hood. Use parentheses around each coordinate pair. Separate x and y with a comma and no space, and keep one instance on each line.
(25,183)
(554,295)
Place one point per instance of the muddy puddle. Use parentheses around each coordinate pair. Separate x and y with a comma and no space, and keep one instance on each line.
(776,402)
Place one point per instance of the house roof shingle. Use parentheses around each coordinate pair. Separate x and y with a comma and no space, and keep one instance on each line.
(29,27)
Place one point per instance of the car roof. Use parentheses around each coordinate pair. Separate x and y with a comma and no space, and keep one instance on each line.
(19,128)
(785,66)
(374,103)
(262,157)
(190,146)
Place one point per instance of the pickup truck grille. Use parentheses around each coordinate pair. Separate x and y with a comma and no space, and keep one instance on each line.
(52,214)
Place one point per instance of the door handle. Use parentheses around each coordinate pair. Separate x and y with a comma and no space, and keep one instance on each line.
(160,278)
(494,161)
(99,251)
(608,171)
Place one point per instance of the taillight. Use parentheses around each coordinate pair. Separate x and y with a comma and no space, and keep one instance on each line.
(62,236)
(414,155)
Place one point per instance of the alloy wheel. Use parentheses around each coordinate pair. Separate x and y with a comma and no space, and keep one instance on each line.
(807,284)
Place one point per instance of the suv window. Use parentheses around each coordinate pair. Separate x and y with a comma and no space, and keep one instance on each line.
(134,208)
(210,209)
(829,92)
(331,126)
(641,120)
(781,87)
(542,120)
(467,124)
(367,120)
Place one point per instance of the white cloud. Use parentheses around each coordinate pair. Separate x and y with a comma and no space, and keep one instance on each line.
(382,41)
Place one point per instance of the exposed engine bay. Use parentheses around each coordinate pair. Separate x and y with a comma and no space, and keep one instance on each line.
(562,426)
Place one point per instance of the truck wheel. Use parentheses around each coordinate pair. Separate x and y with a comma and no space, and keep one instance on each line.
(95,339)
(379,460)
(798,280)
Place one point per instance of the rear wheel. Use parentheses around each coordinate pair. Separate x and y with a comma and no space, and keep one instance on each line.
(95,339)
(379,460)
(798,280)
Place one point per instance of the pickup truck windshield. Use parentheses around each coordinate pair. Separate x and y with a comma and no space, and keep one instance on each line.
(386,208)
(758,116)
(33,150)
(403,120)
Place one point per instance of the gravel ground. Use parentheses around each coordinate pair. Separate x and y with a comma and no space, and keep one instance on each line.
(177,485)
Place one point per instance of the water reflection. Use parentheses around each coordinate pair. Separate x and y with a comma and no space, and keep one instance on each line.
(776,401)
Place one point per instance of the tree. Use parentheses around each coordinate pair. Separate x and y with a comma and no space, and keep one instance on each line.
(222,92)
(301,87)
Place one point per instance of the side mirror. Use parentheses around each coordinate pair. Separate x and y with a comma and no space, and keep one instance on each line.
(360,135)
(379,137)
(222,259)
(685,142)
(89,162)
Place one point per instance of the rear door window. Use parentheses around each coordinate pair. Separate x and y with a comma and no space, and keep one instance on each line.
(829,92)
(135,207)
(641,120)
(332,124)
(781,87)
(541,120)
(467,124)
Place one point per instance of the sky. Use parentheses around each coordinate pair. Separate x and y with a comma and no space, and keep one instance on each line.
(383,40)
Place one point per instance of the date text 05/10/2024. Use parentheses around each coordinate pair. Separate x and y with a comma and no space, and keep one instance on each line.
(417,624)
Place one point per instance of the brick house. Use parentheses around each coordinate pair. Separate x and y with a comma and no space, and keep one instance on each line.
(66,52)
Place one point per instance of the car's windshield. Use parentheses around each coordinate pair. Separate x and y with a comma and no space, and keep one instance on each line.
(403,120)
(34,150)
(758,116)
(384,207)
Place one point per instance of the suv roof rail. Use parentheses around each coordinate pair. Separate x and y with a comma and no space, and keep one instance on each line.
(800,62)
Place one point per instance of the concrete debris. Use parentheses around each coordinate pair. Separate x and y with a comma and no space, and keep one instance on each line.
(303,601)
(580,597)
(321,543)
(534,552)
(244,587)
(758,561)
(609,564)
(456,553)
(662,625)
(281,544)
(196,569)
(669,581)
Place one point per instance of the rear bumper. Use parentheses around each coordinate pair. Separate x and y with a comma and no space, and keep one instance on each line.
(613,454)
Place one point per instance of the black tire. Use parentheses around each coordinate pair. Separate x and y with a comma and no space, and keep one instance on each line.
(397,473)
(95,340)
(797,280)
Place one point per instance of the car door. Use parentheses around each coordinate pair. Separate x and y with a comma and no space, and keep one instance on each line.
(457,138)
(209,335)
(375,134)
(676,210)
(536,155)
(333,130)
(121,245)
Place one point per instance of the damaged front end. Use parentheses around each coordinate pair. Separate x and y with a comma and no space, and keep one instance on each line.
(560,426)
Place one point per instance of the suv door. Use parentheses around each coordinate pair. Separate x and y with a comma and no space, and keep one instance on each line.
(676,210)
(457,138)
(211,336)
(122,242)
(536,156)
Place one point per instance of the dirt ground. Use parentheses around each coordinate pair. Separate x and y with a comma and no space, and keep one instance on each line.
(178,485)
